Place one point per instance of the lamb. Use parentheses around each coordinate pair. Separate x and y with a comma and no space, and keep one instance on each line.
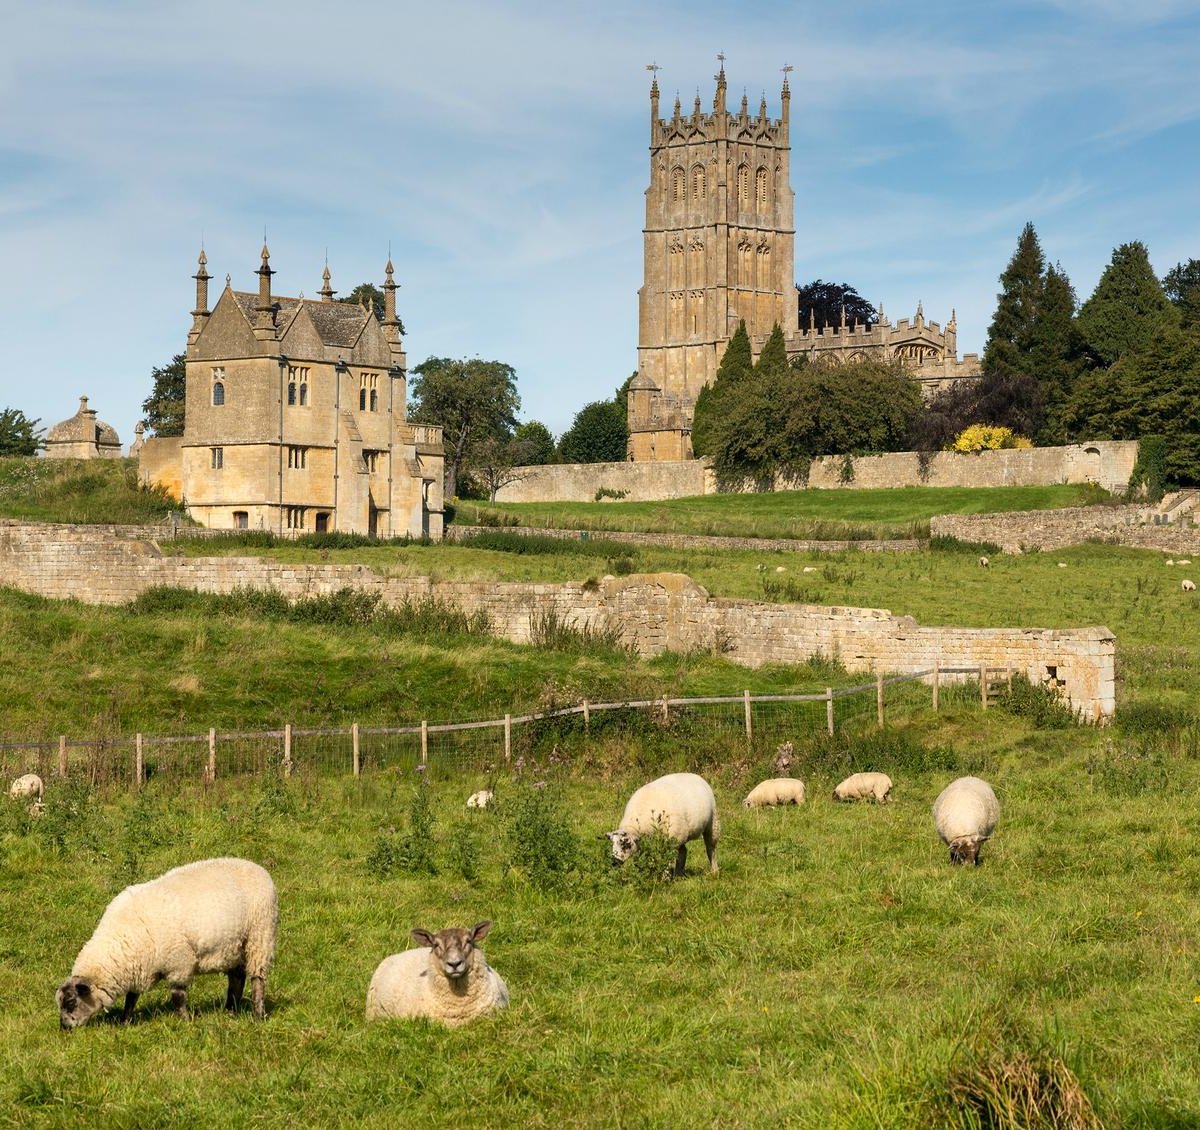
(860,786)
(775,791)
(965,814)
(681,806)
(983,562)
(214,916)
(30,785)
(446,978)
(481,799)
(1188,586)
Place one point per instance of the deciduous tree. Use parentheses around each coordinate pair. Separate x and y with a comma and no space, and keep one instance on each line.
(164,407)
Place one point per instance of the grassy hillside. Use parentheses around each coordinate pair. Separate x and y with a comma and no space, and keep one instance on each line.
(833,514)
(78,490)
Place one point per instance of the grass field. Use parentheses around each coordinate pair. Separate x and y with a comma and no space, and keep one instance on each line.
(822,514)
(75,490)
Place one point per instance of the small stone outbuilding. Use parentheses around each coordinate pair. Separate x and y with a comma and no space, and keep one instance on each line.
(83,436)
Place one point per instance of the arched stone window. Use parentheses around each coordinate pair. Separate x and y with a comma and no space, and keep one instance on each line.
(743,187)
(362,399)
(291,392)
(304,392)
(218,397)
(760,189)
(677,184)
(698,184)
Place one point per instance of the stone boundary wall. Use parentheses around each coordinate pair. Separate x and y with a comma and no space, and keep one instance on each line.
(690,541)
(1106,462)
(653,612)
(1021,530)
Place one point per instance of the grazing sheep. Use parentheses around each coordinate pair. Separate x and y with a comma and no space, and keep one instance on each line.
(1187,586)
(1170,561)
(775,791)
(1184,561)
(984,563)
(861,786)
(780,569)
(681,806)
(965,814)
(481,799)
(1062,564)
(809,569)
(446,978)
(214,916)
(30,785)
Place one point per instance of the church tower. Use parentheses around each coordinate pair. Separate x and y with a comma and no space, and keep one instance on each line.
(719,247)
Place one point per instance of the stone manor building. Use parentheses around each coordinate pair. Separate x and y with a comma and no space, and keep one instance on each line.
(719,246)
(295,418)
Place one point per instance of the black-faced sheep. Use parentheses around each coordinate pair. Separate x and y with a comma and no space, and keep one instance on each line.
(965,815)
(679,805)
(865,786)
(214,916)
(446,978)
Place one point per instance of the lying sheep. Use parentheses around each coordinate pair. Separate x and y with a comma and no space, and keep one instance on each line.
(809,569)
(481,799)
(215,916)
(965,814)
(1184,561)
(446,978)
(681,806)
(1188,586)
(30,785)
(863,786)
(775,791)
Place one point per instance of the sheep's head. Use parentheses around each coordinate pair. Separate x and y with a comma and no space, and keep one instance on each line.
(77,1002)
(453,948)
(965,851)
(623,844)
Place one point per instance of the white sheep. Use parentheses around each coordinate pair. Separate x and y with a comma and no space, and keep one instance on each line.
(1170,561)
(809,569)
(481,799)
(775,791)
(214,916)
(30,785)
(1187,586)
(681,806)
(965,815)
(780,569)
(984,563)
(861,786)
(446,978)
(1184,561)
(1062,564)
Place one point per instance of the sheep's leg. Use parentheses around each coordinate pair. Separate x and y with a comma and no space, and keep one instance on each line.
(237,986)
(258,987)
(131,999)
(710,846)
(680,859)
(179,1001)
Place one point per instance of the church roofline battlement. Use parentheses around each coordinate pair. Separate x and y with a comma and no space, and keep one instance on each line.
(720,124)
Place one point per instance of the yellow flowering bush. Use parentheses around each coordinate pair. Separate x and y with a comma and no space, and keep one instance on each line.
(988,437)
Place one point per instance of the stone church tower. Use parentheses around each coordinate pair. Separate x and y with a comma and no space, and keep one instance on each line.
(719,247)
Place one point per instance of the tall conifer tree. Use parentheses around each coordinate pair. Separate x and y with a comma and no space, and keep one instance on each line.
(736,366)
(1010,335)
(1128,310)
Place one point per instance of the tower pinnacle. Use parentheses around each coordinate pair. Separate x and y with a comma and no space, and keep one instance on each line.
(326,292)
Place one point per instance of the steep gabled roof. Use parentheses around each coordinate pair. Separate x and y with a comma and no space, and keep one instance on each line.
(338,323)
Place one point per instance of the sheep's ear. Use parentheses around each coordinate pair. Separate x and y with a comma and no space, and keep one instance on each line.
(82,989)
(422,936)
(480,931)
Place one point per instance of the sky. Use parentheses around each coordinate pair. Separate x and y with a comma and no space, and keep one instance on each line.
(499,151)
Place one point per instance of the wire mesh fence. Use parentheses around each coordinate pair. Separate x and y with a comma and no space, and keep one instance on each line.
(447,749)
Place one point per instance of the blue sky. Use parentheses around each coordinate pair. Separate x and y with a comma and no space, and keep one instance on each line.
(501,150)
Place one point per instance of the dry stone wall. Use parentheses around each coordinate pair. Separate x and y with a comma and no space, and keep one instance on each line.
(653,612)
(1022,530)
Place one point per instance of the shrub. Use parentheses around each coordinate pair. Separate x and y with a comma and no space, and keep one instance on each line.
(652,865)
(1045,709)
(987,437)
(542,846)
(1150,717)
(410,850)
(550,630)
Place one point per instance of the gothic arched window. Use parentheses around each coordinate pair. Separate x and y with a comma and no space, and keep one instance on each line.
(743,187)
(677,184)
(218,394)
(760,189)
(698,184)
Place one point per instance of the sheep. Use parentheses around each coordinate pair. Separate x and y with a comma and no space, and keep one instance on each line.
(446,978)
(809,569)
(780,568)
(860,786)
(1187,586)
(214,916)
(1184,561)
(775,791)
(681,806)
(1170,561)
(481,799)
(30,785)
(965,814)
(984,563)
(1062,564)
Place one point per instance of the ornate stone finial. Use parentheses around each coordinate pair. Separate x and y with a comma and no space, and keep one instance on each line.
(719,98)
(678,106)
(201,276)
(953,324)
(762,107)
(391,324)
(326,292)
(920,323)
(228,279)
(265,320)
(83,405)
(843,318)
(653,68)
(696,107)
(745,104)
(812,320)
(787,69)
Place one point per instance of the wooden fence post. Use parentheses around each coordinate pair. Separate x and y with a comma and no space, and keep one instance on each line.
(983,690)
(829,709)
(62,755)
(211,772)
(137,762)
(937,680)
(287,749)
(879,699)
(749,722)
(508,737)
(355,754)
(1008,679)
(424,741)
(587,718)
(666,711)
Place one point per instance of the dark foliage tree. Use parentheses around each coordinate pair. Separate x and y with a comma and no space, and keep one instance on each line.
(947,414)
(822,304)
(1054,354)
(1128,310)
(473,400)
(1182,286)
(536,443)
(598,434)
(164,407)
(372,296)
(737,364)
(19,435)
(1010,336)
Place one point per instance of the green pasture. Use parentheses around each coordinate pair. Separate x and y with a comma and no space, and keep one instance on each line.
(901,512)
(77,490)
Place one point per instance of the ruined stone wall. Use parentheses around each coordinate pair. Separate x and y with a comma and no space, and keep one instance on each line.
(1108,463)
(1022,530)
(653,612)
